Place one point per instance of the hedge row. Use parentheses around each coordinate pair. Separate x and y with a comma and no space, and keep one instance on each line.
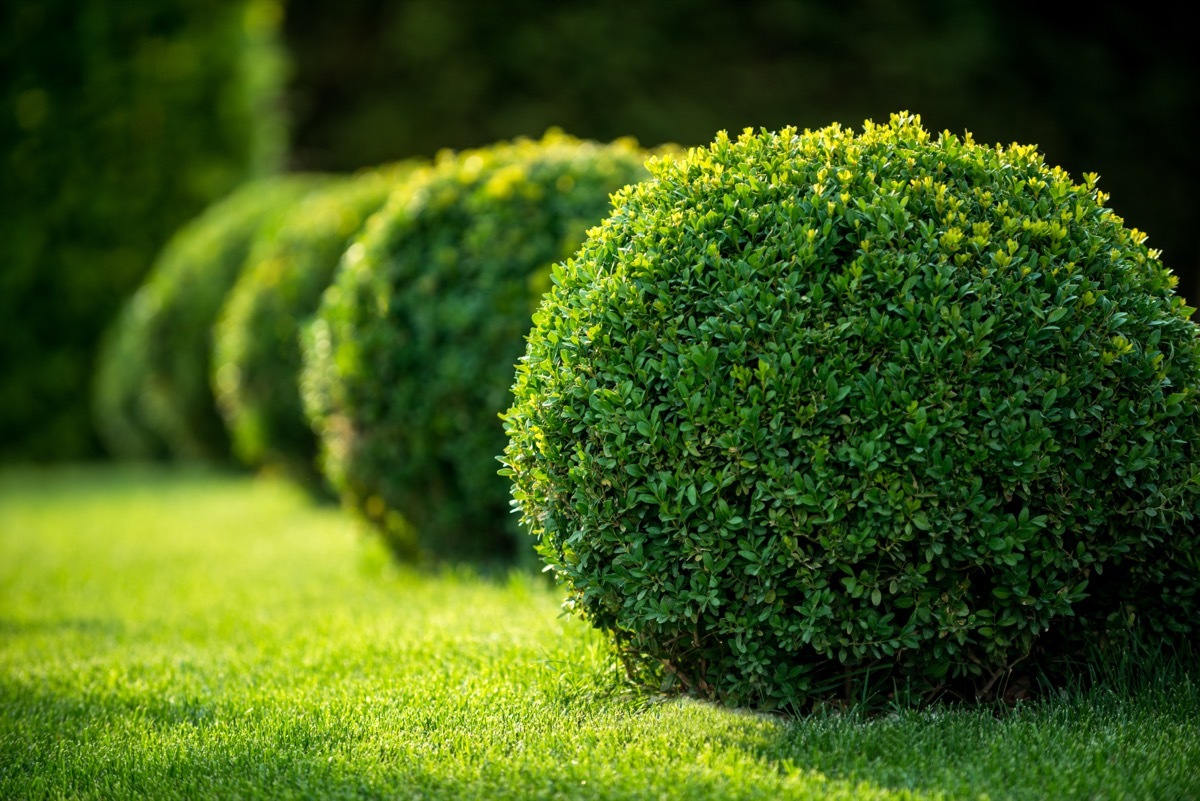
(256,343)
(806,410)
(409,360)
(152,385)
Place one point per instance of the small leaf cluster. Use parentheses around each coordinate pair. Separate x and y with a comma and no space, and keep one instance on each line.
(409,360)
(152,395)
(256,341)
(811,407)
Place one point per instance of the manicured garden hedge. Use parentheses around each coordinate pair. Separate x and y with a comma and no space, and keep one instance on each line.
(256,342)
(815,409)
(410,359)
(152,387)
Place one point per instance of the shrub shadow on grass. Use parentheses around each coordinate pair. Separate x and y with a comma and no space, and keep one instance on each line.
(542,742)
(375,560)
(140,745)
(1121,738)
(1111,741)
(230,679)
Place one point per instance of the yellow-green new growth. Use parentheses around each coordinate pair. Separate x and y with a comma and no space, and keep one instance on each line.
(816,405)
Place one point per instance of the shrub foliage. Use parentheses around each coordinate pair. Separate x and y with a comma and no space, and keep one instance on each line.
(122,121)
(409,361)
(152,386)
(815,406)
(256,342)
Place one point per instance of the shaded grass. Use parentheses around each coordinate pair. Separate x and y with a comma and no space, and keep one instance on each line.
(198,635)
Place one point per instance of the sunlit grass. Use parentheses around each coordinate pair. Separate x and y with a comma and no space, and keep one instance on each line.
(196,635)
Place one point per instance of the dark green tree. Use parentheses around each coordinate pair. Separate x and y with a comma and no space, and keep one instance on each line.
(121,120)
(1109,89)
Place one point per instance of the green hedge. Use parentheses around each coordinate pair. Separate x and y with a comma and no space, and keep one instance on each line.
(122,120)
(256,345)
(152,386)
(410,359)
(811,408)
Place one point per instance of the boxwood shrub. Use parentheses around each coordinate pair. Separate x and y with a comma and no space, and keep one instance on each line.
(256,345)
(152,389)
(409,360)
(815,409)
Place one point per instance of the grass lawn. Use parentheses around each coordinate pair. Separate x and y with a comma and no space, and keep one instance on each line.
(199,635)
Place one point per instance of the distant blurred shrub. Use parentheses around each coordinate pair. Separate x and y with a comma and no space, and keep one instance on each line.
(256,346)
(120,121)
(410,359)
(120,382)
(152,385)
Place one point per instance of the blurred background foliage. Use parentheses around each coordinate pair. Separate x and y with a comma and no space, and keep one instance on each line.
(123,119)
(1107,87)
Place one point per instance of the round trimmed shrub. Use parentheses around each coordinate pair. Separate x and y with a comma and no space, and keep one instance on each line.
(152,389)
(409,360)
(118,391)
(814,409)
(256,341)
